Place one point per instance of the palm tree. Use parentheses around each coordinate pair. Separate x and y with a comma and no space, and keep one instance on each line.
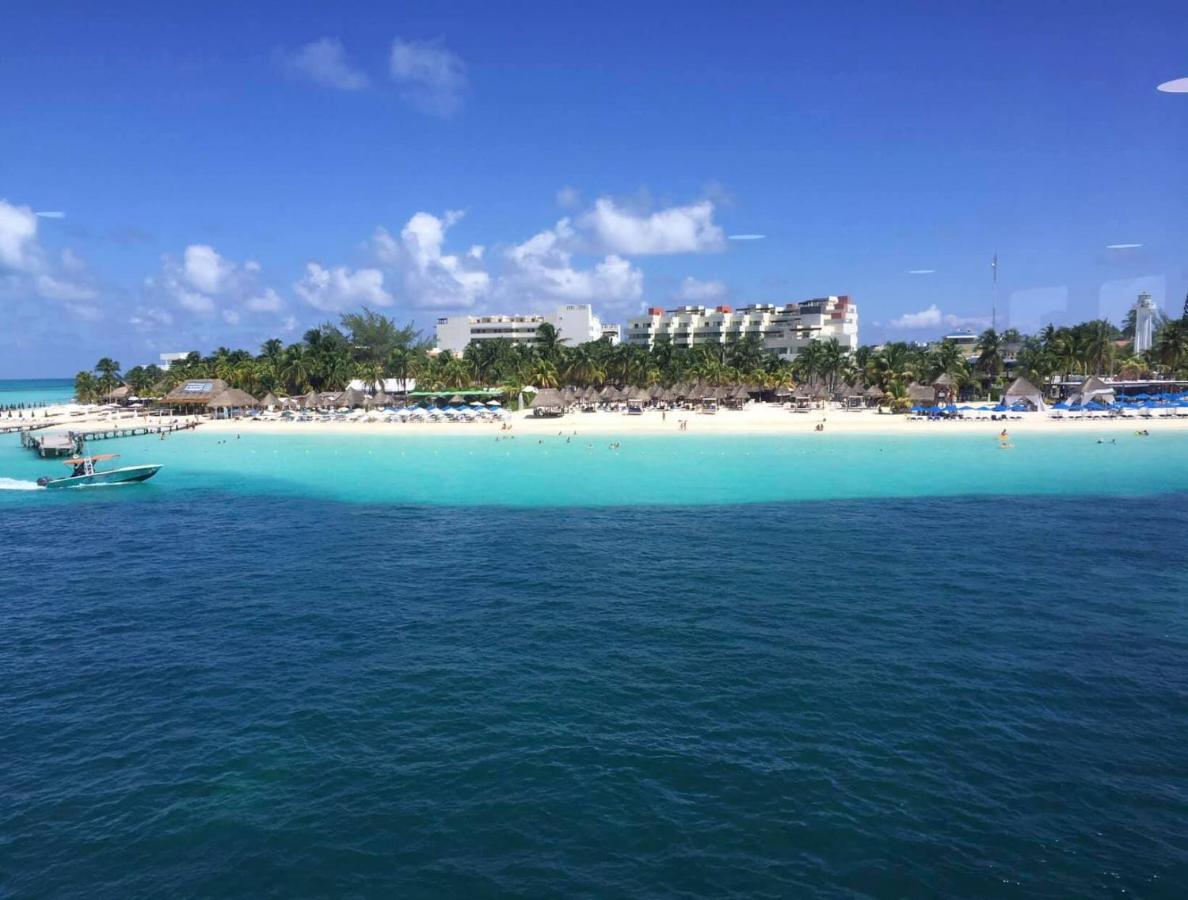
(86,387)
(1171,346)
(548,341)
(109,374)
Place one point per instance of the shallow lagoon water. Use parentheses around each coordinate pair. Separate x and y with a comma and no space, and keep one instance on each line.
(480,669)
(468,470)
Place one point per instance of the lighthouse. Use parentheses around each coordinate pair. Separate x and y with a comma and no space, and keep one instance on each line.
(1144,323)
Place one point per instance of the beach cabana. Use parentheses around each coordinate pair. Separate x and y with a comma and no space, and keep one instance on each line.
(1023,393)
(118,395)
(231,399)
(1094,389)
(872,395)
(548,402)
(194,394)
(945,387)
(379,398)
(921,394)
(351,397)
(270,400)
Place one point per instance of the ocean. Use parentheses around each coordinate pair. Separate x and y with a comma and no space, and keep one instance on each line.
(848,666)
(29,391)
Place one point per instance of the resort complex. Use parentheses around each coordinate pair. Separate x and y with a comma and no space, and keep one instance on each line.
(782,330)
(576,323)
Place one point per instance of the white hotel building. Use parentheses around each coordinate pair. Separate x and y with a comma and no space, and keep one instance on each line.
(784,330)
(575,322)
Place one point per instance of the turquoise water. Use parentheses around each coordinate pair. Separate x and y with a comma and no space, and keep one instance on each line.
(35,390)
(422,668)
(684,470)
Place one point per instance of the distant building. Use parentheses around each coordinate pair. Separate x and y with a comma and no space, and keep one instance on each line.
(611,333)
(965,339)
(575,322)
(783,329)
(168,359)
(1145,312)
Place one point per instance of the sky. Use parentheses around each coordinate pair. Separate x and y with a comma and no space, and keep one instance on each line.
(187,175)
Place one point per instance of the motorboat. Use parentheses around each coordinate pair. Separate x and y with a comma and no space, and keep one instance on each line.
(84,474)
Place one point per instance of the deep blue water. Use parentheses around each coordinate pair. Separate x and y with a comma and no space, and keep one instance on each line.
(230,695)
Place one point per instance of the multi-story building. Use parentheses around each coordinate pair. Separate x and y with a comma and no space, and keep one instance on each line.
(784,330)
(575,322)
(168,359)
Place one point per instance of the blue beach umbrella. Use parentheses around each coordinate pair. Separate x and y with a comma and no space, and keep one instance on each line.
(917,408)
(1060,405)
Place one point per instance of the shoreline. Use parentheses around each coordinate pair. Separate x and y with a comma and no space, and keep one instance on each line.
(755,420)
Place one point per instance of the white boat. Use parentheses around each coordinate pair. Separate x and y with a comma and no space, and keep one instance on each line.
(84,474)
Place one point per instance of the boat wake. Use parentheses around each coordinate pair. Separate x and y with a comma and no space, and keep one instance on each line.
(15,484)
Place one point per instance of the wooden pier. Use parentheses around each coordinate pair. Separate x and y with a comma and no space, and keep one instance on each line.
(51,443)
(106,434)
(15,429)
(57,443)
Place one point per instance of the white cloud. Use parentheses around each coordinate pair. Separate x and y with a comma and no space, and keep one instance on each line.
(432,78)
(339,289)
(542,268)
(268,301)
(51,214)
(61,289)
(18,237)
(205,282)
(148,318)
(932,317)
(433,278)
(747,237)
(679,229)
(1175,86)
(324,62)
(206,270)
(694,291)
(921,271)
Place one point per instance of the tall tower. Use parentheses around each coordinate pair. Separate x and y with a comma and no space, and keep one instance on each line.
(1144,323)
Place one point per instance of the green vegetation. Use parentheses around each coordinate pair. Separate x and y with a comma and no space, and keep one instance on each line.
(371,347)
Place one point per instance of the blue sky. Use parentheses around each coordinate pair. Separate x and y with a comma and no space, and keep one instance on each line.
(229,172)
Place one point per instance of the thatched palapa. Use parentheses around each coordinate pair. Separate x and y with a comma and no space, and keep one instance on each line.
(233,398)
(195,392)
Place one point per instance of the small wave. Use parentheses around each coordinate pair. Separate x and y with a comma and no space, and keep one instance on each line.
(14,484)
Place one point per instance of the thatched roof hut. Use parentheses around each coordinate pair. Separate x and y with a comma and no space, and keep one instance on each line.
(312,400)
(232,398)
(1023,391)
(379,398)
(548,402)
(638,393)
(270,399)
(874,392)
(351,397)
(944,380)
(195,392)
(123,392)
(921,393)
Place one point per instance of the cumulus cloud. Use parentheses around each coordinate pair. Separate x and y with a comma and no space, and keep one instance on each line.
(693,290)
(432,78)
(205,283)
(324,62)
(542,268)
(932,317)
(27,271)
(18,237)
(678,229)
(339,289)
(432,278)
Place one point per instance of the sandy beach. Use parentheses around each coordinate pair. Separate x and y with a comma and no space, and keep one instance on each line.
(754,419)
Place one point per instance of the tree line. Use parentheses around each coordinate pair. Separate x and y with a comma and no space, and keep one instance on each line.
(371,347)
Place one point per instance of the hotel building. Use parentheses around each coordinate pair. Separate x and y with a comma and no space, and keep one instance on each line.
(784,330)
(575,322)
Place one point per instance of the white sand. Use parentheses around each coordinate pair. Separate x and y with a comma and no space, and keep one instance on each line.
(755,419)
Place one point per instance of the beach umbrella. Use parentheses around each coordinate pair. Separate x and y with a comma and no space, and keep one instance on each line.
(1060,405)
(494,403)
(917,409)
(964,408)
